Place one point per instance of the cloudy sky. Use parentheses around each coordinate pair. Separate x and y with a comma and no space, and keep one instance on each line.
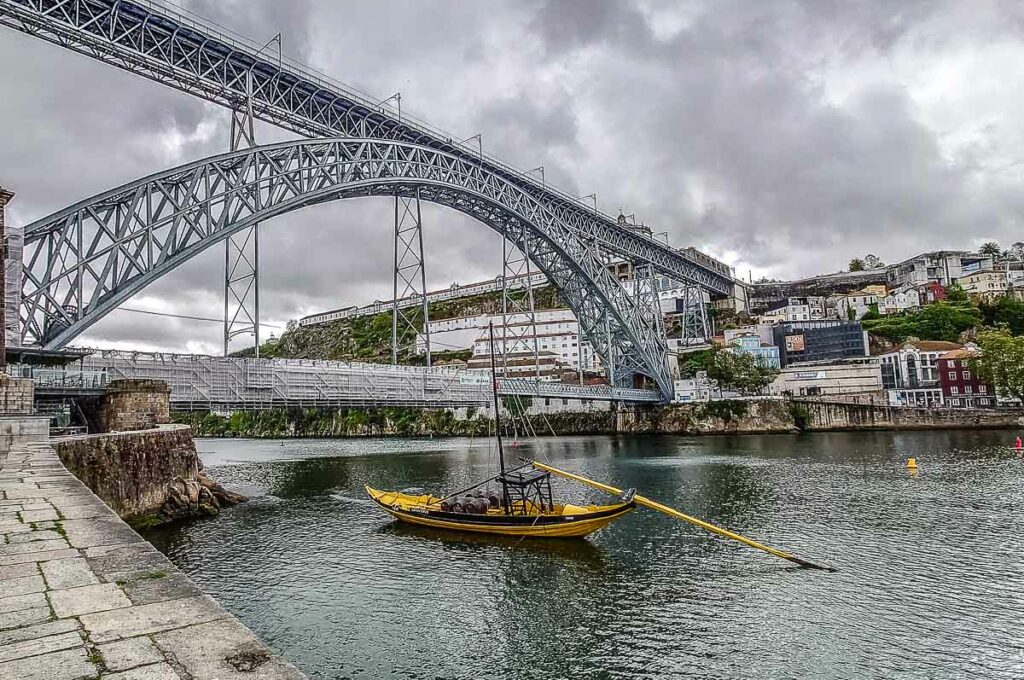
(784,137)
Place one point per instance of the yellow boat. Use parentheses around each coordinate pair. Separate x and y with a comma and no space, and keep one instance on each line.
(524,518)
(523,508)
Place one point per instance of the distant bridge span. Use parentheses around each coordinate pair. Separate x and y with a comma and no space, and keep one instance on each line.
(82,262)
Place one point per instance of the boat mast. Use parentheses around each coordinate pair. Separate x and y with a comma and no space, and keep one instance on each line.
(497,423)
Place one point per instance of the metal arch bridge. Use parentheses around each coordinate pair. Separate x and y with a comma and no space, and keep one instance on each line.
(82,262)
(180,50)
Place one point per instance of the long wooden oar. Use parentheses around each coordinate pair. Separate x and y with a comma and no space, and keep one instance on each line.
(654,505)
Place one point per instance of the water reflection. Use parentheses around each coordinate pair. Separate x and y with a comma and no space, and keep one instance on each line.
(344,591)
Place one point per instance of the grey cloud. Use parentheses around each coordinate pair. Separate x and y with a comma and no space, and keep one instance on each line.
(723,130)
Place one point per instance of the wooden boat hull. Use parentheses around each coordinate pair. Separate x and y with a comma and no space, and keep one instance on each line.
(570,522)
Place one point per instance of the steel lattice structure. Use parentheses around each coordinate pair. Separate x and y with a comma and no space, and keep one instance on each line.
(180,50)
(410,277)
(84,261)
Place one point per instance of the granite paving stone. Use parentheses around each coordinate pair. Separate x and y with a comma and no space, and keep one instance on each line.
(17,571)
(68,573)
(84,596)
(207,651)
(39,630)
(158,671)
(7,560)
(125,654)
(32,547)
(24,617)
(18,602)
(23,585)
(87,599)
(38,515)
(151,618)
(68,664)
(41,645)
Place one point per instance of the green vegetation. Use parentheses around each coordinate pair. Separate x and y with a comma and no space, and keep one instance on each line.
(740,372)
(1005,311)
(1001,362)
(801,415)
(368,338)
(938,321)
(143,522)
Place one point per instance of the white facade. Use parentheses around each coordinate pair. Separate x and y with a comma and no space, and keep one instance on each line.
(790,309)
(558,338)
(846,378)
(900,301)
(693,390)
(910,373)
(944,267)
(859,301)
(986,284)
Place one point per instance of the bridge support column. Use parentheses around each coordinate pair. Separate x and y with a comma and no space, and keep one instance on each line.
(518,314)
(242,249)
(410,276)
(648,305)
(694,322)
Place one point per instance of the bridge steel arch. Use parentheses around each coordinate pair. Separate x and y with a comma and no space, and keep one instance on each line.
(181,50)
(82,262)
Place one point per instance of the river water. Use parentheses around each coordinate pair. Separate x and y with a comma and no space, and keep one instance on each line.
(930,581)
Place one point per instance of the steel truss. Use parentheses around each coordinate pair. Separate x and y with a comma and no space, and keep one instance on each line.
(242,249)
(518,315)
(82,262)
(182,51)
(645,293)
(695,325)
(410,277)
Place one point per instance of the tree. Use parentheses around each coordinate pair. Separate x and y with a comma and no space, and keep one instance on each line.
(1017,251)
(873,261)
(939,321)
(991,248)
(737,371)
(856,265)
(956,295)
(1005,311)
(1001,362)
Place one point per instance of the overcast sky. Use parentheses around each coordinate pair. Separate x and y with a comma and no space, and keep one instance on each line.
(782,137)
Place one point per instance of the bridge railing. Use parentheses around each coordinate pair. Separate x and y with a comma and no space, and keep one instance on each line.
(61,379)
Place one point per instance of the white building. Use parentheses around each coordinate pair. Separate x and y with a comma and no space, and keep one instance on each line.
(859,302)
(560,346)
(910,373)
(945,267)
(787,309)
(693,390)
(987,284)
(847,378)
(899,301)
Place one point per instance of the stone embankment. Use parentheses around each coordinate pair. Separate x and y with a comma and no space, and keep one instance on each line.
(803,415)
(147,476)
(83,596)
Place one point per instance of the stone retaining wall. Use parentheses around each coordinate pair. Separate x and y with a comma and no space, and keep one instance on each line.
(778,415)
(135,404)
(131,471)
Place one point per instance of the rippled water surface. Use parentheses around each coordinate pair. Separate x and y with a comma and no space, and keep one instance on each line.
(931,580)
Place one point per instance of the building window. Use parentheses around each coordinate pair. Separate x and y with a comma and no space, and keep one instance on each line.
(967,389)
(565,402)
(983,389)
(952,375)
(954,390)
(967,375)
(956,402)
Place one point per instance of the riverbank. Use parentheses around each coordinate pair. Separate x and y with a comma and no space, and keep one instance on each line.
(717,417)
(84,596)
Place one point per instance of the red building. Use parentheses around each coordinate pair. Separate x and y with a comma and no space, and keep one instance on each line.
(961,386)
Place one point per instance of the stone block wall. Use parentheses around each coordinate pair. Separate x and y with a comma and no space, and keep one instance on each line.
(134,404)
(130,471)
(16,396)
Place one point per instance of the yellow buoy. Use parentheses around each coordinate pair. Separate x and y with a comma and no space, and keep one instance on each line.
(911,463)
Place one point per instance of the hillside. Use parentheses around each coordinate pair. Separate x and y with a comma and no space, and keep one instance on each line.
(368,338)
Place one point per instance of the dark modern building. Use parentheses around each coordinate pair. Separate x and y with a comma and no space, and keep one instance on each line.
(810,341)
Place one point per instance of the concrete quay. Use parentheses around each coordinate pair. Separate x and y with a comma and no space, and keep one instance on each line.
(84,596)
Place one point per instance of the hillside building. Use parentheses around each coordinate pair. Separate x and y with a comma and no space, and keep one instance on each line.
(961,386)
(819,341)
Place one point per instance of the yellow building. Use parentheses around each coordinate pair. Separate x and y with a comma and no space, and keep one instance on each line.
(985,284)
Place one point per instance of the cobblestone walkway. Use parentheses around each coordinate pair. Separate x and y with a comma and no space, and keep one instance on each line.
(83,596)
